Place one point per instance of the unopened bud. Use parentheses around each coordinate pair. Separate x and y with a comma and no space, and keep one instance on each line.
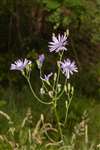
(72,90)
(55,76)
(58,64)
(65,88)
(42,91)
(51,94)
(59,87)
(42,117)
(69,87)
(66,102)
(67,32)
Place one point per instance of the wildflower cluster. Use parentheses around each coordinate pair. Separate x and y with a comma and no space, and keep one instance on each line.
(53,89)
(57,45)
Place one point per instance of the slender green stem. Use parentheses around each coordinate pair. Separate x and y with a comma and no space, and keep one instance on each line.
(54,83)
(86,136)
(55,100)
(46,103)
(67,109)
(58,74)
(58,122)
(62,92)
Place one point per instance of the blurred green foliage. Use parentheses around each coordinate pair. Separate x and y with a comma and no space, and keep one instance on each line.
(27,26)
(22,20)
(23,100)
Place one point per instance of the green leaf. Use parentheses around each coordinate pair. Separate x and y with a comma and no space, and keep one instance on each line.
(2,103)
(73,2)
(23,136)
(51,4)
(66,21)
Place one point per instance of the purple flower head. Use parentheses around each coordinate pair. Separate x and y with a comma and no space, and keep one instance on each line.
(68,68)
(40,61)
(41,58)
(20,64)
(58,43)
(47,77)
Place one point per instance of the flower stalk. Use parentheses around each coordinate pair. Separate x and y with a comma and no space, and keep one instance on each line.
(54,89)
(34,94)
(58,120)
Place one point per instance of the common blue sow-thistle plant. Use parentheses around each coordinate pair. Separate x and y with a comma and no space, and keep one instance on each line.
(54,89)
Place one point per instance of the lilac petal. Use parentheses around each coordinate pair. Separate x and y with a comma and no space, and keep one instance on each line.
(13,67)
(41,58)
(47,77)
(25,62)
(55,39)
(61,48)
(59,37)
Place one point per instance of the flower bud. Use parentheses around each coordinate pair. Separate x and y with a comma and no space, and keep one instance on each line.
(69,87)
(42,91)
(51,94)
(66,103)
(72,90)
(65,88)
(55,76)
(59,87)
